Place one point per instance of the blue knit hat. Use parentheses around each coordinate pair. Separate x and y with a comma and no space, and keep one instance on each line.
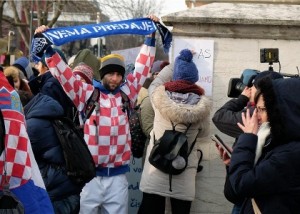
(185,68)
(23,64)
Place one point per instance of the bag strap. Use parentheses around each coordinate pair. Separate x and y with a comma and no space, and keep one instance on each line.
(200,167)
(92,103)
(126,103)
(193,144)
(255,207)
(181,140)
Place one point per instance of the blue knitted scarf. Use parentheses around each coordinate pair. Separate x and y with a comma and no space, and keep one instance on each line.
(140,26)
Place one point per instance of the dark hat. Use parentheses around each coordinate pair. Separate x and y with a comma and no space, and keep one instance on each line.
(272,74)
(112,62)
(87,57)
(282,103)
(158,66)
(61,54)
(23,65)
(185,68)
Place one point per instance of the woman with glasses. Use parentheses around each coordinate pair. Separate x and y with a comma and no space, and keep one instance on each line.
(265,163)
(226,119)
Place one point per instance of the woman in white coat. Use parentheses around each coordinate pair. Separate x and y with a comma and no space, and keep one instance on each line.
(182,102)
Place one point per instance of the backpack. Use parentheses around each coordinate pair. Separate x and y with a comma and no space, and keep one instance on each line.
(138,138)
(80,165)
(170,152)
(9,203)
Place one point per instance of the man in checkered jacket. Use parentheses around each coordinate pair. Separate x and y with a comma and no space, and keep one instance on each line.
(107,130)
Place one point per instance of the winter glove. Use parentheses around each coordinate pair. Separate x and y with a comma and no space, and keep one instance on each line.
(39,45)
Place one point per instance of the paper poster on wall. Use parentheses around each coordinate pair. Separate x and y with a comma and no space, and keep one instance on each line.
(203,58)
(129,54)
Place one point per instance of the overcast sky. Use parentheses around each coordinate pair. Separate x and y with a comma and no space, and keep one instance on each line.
(171,6)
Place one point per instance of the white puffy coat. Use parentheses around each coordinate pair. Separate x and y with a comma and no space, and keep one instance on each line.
(154,181)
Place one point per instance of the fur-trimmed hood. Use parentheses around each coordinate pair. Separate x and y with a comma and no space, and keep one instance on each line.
(178,112)
(282,102)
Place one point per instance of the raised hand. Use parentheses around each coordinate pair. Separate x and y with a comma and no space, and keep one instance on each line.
(39,44)
(153,18)
(250,123)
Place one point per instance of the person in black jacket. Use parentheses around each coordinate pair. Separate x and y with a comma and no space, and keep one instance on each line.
(265,163)
(226,120)
(45,83)
(48,153)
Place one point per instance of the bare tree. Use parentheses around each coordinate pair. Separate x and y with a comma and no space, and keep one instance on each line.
(21,18)
(128,9)
(2,2)
(27,15)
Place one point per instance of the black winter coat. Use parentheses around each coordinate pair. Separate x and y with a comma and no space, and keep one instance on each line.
(274,182)
(227,117)
(46,147)
(48,85)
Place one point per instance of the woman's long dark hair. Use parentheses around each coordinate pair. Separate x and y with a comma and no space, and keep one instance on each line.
(265,89)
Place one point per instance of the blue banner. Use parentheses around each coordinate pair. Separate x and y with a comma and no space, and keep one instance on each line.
(62,35)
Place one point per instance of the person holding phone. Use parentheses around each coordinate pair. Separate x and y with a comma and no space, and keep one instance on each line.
(222,144)
(265,163)
(226,120)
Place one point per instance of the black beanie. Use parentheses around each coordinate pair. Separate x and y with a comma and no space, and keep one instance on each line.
(112,62)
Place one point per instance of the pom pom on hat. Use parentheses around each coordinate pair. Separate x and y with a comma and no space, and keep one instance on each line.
(185,68)
(84,71)
(112,62)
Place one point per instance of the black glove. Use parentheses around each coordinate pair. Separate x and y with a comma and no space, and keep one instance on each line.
(39,45)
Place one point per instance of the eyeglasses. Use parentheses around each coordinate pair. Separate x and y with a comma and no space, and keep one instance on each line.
(261,109)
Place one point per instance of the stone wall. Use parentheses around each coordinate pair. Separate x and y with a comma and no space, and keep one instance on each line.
(239,32)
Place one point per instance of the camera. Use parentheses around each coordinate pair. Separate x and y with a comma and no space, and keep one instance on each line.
(237,85)
(269,55)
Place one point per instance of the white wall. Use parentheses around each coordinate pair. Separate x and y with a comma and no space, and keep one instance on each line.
(231,57)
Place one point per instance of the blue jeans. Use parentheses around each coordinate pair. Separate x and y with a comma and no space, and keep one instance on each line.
(69,205)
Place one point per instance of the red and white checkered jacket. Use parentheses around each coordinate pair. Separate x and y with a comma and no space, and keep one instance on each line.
(16,157)
(107,130)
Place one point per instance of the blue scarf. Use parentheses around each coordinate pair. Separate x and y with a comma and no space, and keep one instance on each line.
(140,26)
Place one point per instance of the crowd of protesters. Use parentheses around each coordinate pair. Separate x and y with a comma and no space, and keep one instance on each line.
(261,173)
